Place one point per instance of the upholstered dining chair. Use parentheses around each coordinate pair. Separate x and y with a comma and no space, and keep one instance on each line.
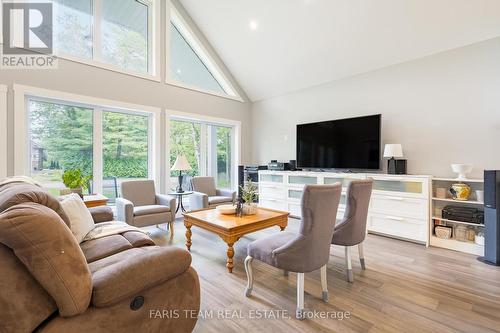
(351,230)
(307,251)
(141,206)
(206,195)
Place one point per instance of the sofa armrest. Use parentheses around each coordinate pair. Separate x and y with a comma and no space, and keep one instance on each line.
(227,193)
(169,201)
(125,210)
(198,200)
(136,274)
(101,214)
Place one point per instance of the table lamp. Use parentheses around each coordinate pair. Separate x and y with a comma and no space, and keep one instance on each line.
(395,166)
(181,164)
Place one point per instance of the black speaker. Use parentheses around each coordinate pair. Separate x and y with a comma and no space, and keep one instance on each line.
(491,217)
(396,167)
(241,178)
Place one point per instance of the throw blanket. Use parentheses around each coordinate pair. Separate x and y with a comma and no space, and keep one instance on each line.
(19,179)
(110,228)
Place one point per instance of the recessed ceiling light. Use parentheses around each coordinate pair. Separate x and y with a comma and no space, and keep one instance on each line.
(254,25)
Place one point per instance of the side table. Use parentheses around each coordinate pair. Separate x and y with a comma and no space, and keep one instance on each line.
(179,196)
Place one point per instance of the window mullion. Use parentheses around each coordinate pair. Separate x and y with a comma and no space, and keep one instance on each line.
(203,151)
(97,151)
(97,44)
(213,151)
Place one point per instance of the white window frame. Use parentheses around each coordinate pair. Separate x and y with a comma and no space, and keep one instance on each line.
(173,16)
(154,46)
(153,43)
(3,131)
(21,123)
(207,120)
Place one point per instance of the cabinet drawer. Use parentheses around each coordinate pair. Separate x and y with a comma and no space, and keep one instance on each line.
(302,180)
(413,188)
(271,179)
(409,228)
(395,205)
(295,194)
(274,192)
(273,204)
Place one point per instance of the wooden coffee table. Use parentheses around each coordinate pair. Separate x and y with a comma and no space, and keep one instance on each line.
(231,228)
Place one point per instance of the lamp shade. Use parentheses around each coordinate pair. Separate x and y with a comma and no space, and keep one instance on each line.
(181,164)
(393,150)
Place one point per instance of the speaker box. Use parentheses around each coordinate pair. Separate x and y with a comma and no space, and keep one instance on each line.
(241,178)
(491,217)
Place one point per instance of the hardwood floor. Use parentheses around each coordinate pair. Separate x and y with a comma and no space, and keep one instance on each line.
(405,288)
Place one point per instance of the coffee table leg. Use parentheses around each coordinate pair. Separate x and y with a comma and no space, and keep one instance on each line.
(283,226)
(230,255)
(188,236)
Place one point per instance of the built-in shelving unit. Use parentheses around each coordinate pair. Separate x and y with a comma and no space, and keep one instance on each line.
(437,205)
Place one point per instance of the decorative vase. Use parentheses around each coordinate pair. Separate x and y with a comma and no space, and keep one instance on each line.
(460,191)
(249,209)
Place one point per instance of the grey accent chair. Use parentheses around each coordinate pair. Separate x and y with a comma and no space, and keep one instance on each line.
(307,251)
(141,206)
(207,196)
(351,230)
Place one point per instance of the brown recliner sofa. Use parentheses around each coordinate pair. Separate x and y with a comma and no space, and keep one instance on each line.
(119,283)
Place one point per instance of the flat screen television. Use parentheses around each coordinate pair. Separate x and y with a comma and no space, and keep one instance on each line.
(352,143)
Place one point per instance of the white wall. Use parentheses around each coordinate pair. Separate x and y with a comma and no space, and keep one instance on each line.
(443,109)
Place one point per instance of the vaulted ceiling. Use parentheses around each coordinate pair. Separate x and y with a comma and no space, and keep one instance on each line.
(274,47)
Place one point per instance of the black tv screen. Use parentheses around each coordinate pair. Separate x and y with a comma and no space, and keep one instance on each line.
(352,143)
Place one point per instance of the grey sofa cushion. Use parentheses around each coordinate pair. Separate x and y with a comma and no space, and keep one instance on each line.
(139,192)
(204,185)
(219,200)
(150,209)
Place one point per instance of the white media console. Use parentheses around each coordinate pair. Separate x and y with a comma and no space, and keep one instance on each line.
(399,206)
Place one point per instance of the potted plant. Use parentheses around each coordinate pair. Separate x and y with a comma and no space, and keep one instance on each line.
(249,195)
(75,181)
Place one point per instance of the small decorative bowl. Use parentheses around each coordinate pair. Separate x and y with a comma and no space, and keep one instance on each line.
(226,209)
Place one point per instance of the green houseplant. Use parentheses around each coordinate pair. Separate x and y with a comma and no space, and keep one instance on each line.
(249,195)
(75,181)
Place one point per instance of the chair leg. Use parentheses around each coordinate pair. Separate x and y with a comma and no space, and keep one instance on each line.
(361,256)
(248,269)
(299,314)
(324,285)
(350,277)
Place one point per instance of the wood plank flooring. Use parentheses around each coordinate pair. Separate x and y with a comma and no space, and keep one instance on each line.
(406,288)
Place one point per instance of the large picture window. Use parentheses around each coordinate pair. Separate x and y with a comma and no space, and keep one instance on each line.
(73,27)
(187,67)
(62,137)
(208,148)
(114,32)
(124,34)
(125,150)
(190,64)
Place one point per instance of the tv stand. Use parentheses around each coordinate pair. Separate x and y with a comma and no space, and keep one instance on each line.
(399,205)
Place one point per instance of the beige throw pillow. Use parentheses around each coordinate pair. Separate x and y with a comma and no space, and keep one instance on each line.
(80,219)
